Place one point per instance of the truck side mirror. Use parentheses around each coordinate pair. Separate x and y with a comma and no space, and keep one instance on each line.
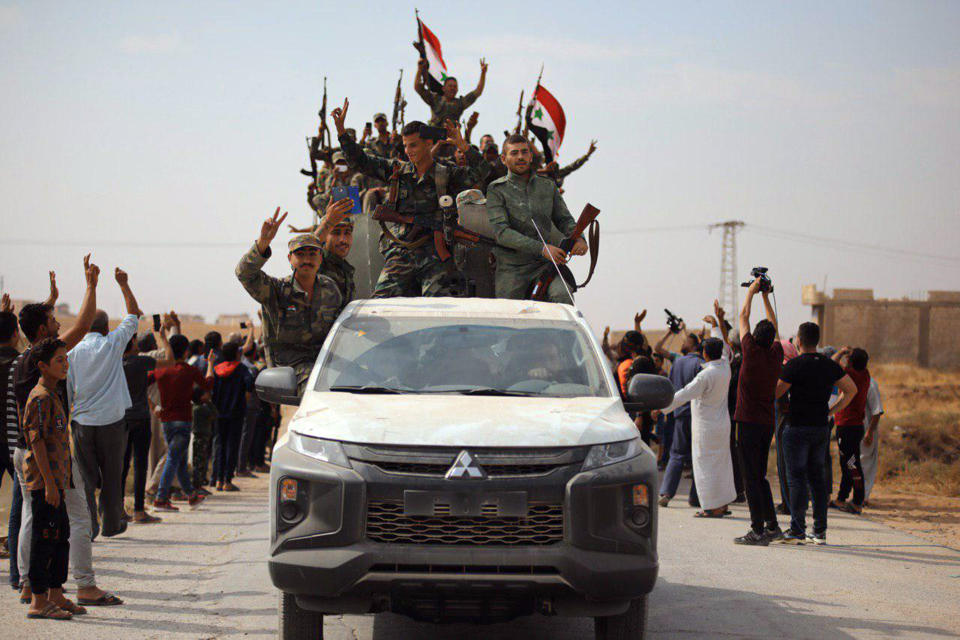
(278,385)
(647,392)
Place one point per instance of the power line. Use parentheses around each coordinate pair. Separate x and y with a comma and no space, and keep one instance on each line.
(133,244)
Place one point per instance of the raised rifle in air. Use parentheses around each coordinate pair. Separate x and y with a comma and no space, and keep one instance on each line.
(324,131)
(397,101)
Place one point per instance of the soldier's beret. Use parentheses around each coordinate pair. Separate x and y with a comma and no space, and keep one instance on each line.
(304,240)
(338,157)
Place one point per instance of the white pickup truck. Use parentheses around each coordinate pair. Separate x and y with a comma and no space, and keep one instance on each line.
(462,460)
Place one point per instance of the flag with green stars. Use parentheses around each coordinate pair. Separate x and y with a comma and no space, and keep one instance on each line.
(437,71)
(547,122)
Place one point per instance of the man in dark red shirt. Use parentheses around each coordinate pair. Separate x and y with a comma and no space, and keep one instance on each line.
(850,430)
(176,382)
(754,416)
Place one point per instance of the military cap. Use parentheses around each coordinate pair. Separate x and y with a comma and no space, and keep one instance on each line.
(379,116)
(470,196)
(304,240)
(338,157)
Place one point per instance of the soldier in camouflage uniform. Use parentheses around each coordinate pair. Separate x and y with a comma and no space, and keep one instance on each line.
(559,174)
(298,310)
(413,271)
(335,251)
(381,144)
(204,420)
(447,106)
(518,205)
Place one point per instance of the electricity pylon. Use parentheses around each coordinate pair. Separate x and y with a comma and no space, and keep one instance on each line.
(728,264)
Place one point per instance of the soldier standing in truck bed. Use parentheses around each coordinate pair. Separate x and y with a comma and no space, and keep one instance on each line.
(447,105)
(298,310)
(523,207)
(420,182)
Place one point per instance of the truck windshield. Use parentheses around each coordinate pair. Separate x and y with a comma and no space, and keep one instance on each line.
(476,356)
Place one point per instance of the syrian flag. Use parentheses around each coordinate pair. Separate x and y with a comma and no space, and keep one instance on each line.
(547,122)
(431,51)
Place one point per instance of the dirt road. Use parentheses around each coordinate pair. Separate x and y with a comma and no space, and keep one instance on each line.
(202,574)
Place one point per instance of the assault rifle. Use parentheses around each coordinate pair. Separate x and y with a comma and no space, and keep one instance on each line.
(397,99)
(587,220)
(324,131)
(519,114)
(446,231)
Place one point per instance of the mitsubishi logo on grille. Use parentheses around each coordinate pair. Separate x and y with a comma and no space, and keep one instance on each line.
(465,467)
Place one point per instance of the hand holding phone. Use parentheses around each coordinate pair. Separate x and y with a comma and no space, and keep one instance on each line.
(156,322)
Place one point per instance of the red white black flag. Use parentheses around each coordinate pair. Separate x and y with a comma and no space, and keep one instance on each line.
(431,51)
(547,122)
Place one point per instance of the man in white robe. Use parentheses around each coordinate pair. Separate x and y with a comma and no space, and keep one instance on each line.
(710,428)
(869,446)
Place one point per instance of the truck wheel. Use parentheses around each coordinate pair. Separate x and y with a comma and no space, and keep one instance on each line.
(297,623)
(629,625)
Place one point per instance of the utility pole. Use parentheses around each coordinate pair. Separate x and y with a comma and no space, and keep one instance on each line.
(728,264)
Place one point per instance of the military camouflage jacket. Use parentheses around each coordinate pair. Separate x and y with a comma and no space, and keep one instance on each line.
(341,272)
(512,205)
(293,329)
(442,109)
(416,196)
(378,148)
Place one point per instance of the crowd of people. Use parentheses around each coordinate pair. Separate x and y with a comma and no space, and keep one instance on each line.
(83,406)
(735,395)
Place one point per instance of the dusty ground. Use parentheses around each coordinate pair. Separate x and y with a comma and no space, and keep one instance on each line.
(202,574)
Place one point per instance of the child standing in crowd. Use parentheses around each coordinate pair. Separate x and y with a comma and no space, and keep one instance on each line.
(232,384)
(47,470)
(204,423)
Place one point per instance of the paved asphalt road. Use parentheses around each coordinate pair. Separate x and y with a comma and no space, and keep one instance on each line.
(202,574)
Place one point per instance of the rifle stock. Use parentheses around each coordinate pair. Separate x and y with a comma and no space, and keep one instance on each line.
(587,216)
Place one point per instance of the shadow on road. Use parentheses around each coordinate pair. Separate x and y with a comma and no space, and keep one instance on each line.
(679,611)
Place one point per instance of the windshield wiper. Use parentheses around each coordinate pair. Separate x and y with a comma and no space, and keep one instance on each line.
(367,388)
(489,391)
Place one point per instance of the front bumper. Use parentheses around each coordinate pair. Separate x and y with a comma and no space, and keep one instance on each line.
(603,560)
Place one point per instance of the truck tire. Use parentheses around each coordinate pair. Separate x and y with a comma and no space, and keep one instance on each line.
(629,625)
(297,623)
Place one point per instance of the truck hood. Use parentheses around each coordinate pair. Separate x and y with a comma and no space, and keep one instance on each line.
(462,421)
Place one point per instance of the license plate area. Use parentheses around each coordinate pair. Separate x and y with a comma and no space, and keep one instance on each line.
(503,504)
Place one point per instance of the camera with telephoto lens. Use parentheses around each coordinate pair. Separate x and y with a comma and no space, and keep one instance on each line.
(766,284)
(673,322)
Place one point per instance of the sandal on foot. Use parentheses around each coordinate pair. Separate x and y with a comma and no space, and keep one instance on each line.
(50,611)
(106,600)
(73,608)
(707,514)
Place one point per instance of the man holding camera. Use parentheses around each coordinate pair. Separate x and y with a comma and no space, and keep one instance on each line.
(523,208)
(756,389)
(412,266)
(686,365)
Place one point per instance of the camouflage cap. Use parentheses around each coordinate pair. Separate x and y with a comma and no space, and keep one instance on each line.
(304,240)
(470,196)
(338,157)
(379,116)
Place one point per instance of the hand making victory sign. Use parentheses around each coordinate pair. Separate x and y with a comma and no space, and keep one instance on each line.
(268,231)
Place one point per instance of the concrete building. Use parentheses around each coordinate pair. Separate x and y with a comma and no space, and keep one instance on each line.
(920,331)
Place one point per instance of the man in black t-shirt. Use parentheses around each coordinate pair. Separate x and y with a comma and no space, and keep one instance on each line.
(810,378)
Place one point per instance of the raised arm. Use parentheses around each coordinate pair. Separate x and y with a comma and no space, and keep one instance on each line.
(471,123)
(771,314)
(419,85)
(129,299)
(745,309)
(605,345)
(476,93)
(563,172)
(250,268)
(848,389)
(374,166)
(660,346)
(88,307)
(51,300)
(839,355)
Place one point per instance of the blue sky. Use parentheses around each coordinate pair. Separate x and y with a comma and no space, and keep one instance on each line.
(184,123)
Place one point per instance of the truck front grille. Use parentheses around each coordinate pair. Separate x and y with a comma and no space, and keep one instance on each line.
(387,523)
(440,469)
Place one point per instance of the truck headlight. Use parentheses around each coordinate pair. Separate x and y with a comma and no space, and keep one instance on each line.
(603,454)
(319,449)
